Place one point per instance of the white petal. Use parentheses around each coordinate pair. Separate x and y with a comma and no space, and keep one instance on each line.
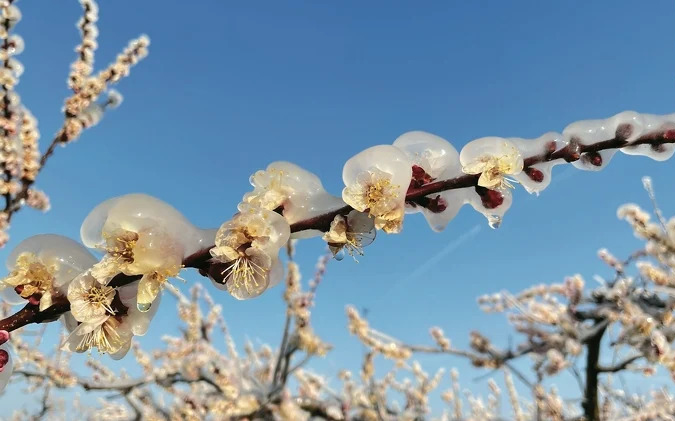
(489,146)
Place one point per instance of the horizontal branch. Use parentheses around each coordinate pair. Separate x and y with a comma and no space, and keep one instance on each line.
(570,153)
(619,366)
(201,260)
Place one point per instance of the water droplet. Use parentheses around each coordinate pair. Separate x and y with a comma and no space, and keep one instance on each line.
(340,254)
(143,307)
(494,221)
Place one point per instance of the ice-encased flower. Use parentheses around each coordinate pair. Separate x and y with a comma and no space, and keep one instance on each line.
(32,276)
(493,158)
(150,252)
(248,245)
(376,181)
(45,264)
(136,212)
(433,159)
(140,235)
(351,234)
(109,335)
(298,193)
(89,300)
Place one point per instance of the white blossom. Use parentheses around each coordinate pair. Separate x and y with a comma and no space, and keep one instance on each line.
(296,192)
(45,265)
(351,234)
(248,245)
(376,181)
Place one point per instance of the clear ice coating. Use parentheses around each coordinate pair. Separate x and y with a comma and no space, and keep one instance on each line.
(587,132)
(140,212)
(650,124)
(383,158)
(299,191)
(440,160)
(9,367)
(138,321)
(531,180)
(426,150)
(71,258)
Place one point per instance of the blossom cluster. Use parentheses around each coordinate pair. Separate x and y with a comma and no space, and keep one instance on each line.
(20,157)
(190,377)
(419,172)
(145,241)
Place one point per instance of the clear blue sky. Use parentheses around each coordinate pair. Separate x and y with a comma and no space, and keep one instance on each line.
(230,86)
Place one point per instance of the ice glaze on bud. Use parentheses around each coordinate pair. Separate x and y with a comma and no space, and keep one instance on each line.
(593,158)
(653,126)
(433,158)
(6,365)
(588,132)
(536,176)
(491,199)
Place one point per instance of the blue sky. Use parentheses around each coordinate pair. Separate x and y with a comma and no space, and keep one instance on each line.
(230,86)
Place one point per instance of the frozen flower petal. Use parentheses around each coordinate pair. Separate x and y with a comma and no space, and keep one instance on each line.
(493,158)
(376,181)
(351,233)
(90,302)
(68,257)
(139,212)
(107,336)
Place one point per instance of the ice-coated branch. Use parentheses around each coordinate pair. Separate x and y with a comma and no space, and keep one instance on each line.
(582,143)
(145,242)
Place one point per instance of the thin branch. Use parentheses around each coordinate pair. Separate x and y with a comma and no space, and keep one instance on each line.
(619,366)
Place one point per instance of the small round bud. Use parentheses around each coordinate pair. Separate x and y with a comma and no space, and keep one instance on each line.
(534,174)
